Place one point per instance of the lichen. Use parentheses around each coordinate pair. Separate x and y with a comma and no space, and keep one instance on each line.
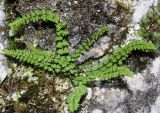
(42,90)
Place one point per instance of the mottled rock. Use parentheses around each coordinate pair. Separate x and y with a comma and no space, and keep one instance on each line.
(141,9)
(139,94)
(97,111)
(3,44)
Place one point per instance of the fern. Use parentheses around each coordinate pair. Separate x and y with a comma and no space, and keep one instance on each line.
(34,16)
(102,74)
(86,45)
(150,24)
(62,58)
(75,97)
(42,59)
(62,61)
(45,15)
(121,54)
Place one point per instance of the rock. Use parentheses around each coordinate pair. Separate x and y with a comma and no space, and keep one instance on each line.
(155,107)
(136,83)
(62,85)
(3,44)
(97,111)
(3,70)
(127,4)
(141,9)
(109,100)
(140,95)
(84,18)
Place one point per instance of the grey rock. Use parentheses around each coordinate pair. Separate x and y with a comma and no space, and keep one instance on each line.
(140,94)
(3,44)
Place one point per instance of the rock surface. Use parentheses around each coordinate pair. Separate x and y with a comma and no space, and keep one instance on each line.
(3,44)
(139,94)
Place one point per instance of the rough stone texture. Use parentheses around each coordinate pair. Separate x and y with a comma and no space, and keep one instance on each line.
(141,9)
(139,94)
(84,18)
(3,44)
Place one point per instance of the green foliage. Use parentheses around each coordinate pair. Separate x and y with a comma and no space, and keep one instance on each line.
(156,35)
(122,53)
(45,15)
(43,59)
(150,24)
(117,57)
(75,97)
(48,60)
(62,61)
(111,67)
(103,74)
(86,45)
(34,16)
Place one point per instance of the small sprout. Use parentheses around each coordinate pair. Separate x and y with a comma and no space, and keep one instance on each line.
(150,14)
(158,21)
(145,21)
(142,32)
(156,35)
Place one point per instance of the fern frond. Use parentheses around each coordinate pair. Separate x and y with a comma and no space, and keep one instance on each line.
(61,43)
(66,64)
(48,60)
(75,97)
(45,15)
(121,54)
(103,74)
(86,45)
(34,16)
(43,59)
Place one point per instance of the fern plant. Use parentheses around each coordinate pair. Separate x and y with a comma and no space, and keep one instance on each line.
(63,61)
(75,97)
(150,24)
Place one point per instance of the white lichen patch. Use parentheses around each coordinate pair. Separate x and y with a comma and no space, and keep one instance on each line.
(3,62)
(137,82)
(14,96)
(62,85)
(127,4)
(111,94)
(23,72)
(3,70)
(155,68)
(156,106)
(132,33)
(97,111)
(63,108)
(89,94)
(33,79)
(2,14)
